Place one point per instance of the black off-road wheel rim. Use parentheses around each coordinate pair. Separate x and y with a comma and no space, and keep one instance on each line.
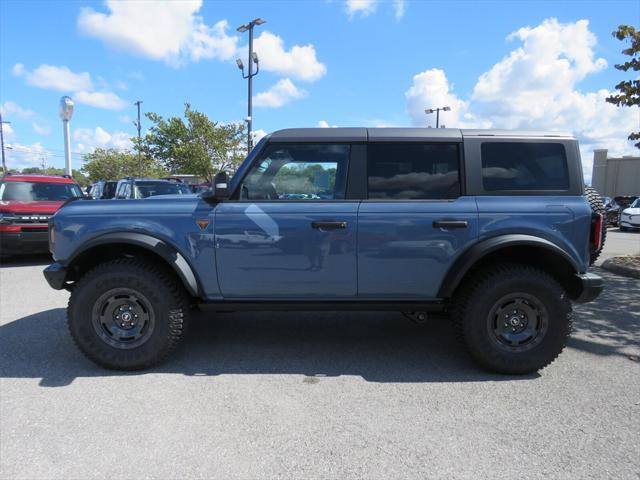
(517,322)
(123,318)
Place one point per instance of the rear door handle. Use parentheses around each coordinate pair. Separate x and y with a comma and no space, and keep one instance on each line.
(450,224)
(328,225)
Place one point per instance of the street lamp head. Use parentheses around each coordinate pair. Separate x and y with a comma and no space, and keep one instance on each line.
(429,110)
(446,109)
(66,108)
(242,28)
(258,21)
(254,55)
(240,64)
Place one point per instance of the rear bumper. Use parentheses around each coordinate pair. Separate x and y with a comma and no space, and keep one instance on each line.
(12,243)
(55,274)
(592,286)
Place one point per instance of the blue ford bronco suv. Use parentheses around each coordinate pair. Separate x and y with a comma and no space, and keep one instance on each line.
(494,228)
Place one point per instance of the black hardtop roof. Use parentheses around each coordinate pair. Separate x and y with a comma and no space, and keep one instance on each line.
(399,134)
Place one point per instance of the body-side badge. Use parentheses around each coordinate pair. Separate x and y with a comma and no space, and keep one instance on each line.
(202,224)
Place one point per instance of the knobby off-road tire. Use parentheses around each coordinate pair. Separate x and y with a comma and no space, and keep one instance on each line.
(512,319)
(597,206)
(127,314)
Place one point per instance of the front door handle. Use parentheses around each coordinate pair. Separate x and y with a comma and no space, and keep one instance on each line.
(450,224)
(328,225)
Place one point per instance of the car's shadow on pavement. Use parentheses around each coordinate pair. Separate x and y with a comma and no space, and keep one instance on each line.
(377,346)
(611,324)
(26,260)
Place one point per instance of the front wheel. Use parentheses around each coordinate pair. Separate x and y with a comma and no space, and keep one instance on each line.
(513,319)
(127,314)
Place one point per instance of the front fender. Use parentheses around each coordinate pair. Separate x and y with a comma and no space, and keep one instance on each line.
(155,245)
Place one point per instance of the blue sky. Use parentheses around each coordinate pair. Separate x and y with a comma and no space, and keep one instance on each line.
(498,64)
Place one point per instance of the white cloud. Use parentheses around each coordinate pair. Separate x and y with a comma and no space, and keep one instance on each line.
(299,62)
(536,87)
(106,100)
(278,95)
(87,139)
(79,85)
(161,30)
(10,108)
(431,89)
(21,156)
(324,124)
(399,8)
(364,8)
(7,132)
(212,42)
(17,69)
(257,135)
(52,77)
(41,130)
(360,7)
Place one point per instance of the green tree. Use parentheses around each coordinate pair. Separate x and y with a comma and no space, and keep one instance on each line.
(629,90)
(195,145)
(111,164)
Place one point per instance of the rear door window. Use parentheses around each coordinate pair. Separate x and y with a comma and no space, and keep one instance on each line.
(413,171)
(522,166)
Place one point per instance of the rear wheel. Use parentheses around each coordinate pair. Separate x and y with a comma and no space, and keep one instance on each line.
(512,319)
(127,314)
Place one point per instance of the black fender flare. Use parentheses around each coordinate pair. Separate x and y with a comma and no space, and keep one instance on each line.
(155,245)
(473,254)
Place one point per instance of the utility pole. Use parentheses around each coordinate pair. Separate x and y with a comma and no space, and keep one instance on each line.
(138,126)
(253,58)
(4,164)
(437,112)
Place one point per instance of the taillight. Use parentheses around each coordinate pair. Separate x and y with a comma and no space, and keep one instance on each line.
(597,224)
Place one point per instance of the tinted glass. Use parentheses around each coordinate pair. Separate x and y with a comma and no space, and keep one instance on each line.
(413,171)
(524,166)
(109,190)
(38,191)
(298,172)
(150,189)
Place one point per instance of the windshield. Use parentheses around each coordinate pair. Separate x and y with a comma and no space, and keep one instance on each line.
(38,191)
(635,204)
(150,189)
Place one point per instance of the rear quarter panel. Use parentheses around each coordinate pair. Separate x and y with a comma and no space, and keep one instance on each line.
(563,218)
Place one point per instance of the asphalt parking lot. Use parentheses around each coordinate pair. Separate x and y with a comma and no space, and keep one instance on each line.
(331,395)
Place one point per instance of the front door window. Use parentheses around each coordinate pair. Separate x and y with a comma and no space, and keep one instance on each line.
(298,172)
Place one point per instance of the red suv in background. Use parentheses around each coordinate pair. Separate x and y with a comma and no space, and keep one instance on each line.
(26,203)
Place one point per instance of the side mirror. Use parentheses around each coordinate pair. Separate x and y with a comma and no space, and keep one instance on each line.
(220,188)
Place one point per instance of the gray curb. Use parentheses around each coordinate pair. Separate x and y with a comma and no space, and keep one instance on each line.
(611,265)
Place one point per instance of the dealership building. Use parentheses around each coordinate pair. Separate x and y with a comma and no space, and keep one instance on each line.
(613,177)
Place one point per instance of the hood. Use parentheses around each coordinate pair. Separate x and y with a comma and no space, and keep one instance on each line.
(631,211)
(165,204)
(12,206)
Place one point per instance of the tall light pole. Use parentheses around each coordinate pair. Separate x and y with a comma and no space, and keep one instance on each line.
(253,58)
(4,163)
(437,111)
(137,124)
(66,112)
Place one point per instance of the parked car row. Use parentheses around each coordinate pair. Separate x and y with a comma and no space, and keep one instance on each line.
(28,201)
(615,206)
(134,187)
